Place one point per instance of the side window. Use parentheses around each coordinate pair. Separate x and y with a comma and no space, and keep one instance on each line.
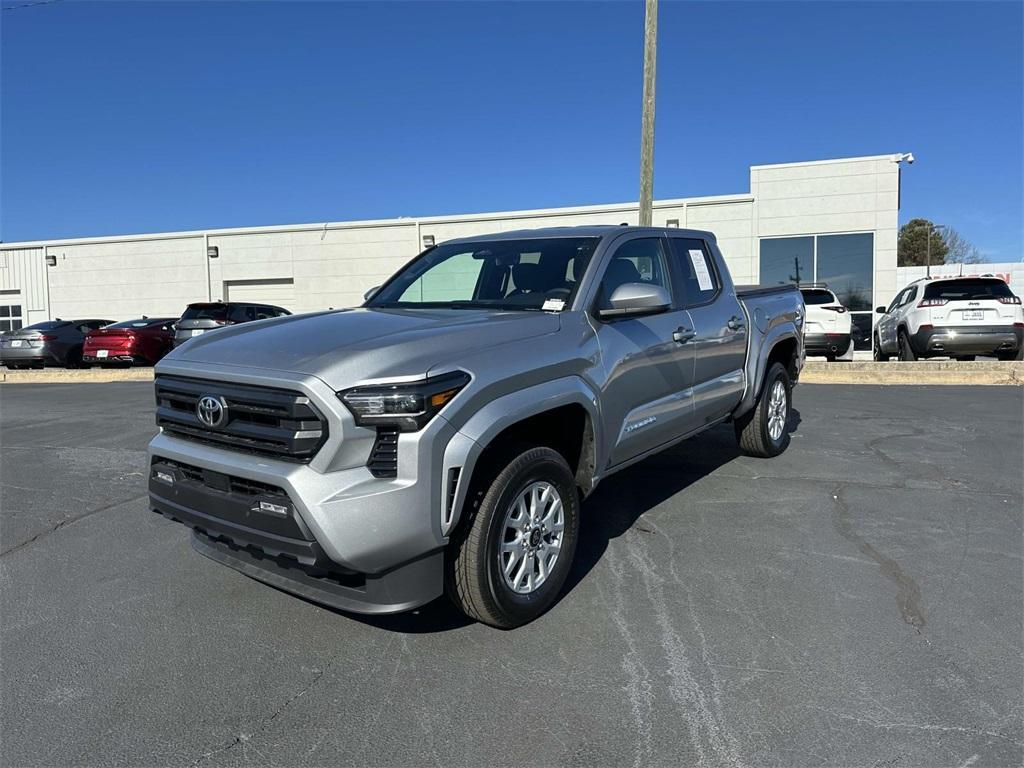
(911,295)
(241,314)
(696,270)
(635,261)
(264,313)
(897,301)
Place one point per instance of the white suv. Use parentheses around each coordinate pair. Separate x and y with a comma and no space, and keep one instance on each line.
(827,326)
(956,317)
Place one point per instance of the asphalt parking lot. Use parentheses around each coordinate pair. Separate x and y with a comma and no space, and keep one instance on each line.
(856,601)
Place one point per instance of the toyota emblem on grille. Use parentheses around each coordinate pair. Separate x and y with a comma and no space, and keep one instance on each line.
(211,411)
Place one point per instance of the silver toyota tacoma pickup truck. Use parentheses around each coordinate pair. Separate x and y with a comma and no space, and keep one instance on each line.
(441,438)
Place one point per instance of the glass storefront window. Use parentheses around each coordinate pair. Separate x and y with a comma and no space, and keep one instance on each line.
(846,263)
(787,260)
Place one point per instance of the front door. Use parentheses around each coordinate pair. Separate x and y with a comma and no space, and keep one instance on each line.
(649,389)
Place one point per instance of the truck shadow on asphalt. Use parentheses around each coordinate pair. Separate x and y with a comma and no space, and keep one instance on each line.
(618,505)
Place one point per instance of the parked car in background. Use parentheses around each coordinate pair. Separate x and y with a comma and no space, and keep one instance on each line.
(827,324)
(442,436)
(957,317)
(144,340)
(199,318)
(53,342)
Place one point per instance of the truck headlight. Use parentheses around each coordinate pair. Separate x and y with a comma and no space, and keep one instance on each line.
(406,406)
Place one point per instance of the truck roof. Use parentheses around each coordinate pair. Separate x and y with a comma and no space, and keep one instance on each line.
(587,230)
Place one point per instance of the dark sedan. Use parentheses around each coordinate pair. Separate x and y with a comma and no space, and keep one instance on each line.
(53,342)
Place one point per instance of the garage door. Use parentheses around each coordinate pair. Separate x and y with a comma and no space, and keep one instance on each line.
(280,293)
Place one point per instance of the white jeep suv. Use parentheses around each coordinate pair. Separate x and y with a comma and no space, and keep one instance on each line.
(827,325)
(957,317)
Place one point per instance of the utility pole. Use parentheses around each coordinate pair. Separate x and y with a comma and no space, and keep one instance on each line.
(647,135)
(928,252)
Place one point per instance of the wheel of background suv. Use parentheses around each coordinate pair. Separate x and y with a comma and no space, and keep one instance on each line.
(876,352)
(514,554)
(903,344)
(763,432)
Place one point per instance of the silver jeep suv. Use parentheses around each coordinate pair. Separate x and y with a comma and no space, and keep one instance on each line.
(442,437)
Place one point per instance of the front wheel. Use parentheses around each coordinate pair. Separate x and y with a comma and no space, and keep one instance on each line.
(877,353)
(512,558)
(764,431)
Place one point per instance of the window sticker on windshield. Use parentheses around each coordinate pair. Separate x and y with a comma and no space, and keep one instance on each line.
(553,305)
(700,269)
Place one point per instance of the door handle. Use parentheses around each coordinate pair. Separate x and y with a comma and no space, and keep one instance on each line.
(734,323)
(683,335)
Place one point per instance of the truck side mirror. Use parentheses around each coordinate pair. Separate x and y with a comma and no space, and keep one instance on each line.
(371,293)
(631,299)
(880,310)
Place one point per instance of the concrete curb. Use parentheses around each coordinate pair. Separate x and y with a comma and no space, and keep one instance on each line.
(980,372)
(64,376)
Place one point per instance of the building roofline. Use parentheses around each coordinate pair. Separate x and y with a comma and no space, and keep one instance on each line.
(890,156)
(402,221)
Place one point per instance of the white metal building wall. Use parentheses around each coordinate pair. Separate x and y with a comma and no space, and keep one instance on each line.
(333,264)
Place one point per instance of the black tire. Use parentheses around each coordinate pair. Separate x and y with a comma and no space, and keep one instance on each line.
(1004,356)
(752,430)
(475,581)
(830,358)
(965,358)
(906,352)
(876,352)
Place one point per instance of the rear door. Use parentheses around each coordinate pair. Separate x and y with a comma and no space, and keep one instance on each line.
(648,396)
(720,342)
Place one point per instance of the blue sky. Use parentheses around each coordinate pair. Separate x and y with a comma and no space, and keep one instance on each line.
(143,116)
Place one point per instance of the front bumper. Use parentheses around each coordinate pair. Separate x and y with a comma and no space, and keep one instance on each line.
(280,549)
(968,340)
(826,344)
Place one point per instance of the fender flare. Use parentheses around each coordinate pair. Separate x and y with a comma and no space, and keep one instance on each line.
(469,442)
(756,369)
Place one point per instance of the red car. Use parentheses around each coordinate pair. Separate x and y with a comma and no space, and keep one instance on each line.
(145,340)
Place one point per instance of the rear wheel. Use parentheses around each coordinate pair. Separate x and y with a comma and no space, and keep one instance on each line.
(906,351)
(511,560)
(764,431)
(877,353)
(1018,355)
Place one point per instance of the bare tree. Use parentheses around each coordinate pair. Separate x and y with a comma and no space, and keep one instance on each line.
(961,249)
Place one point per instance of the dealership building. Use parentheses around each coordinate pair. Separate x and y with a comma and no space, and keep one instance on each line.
(832,221)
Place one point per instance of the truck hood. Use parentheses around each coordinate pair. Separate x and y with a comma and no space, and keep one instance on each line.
(346,347)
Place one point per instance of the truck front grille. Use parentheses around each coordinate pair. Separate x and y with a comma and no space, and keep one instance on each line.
(279,423)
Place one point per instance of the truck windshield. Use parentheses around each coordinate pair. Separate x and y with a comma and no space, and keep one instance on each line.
(532,274)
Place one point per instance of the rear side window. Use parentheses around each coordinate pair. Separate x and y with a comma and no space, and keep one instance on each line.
(205,312)
(696,270)
(968,288)
(265,313)
(242,314)
(814,296)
